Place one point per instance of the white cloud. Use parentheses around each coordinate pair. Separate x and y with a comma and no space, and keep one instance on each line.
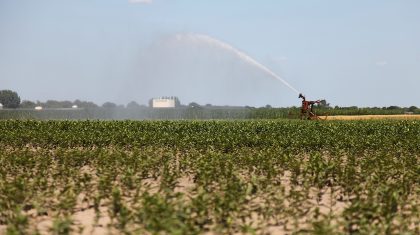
(381,63)
(141,1)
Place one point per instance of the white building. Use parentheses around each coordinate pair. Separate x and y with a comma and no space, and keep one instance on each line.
(1,106)
(163,103)
(38,108)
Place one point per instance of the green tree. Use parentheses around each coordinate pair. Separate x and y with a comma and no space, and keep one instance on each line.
(109,105)
(26,104)
(85,104)
(133,105)
(9,99)
(323,104)
(412,109)
(393,107)
(194,105)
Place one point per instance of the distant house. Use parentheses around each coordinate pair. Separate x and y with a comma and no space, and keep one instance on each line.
(1,106)
(164,102)
(38,108)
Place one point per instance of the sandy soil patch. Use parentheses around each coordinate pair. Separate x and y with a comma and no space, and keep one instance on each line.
(373,117)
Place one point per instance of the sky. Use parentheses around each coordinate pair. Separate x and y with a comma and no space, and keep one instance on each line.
(351,53)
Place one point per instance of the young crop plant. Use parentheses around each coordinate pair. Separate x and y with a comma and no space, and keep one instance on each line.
(210,177)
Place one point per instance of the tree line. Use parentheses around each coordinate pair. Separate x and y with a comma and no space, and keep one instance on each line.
(11,100)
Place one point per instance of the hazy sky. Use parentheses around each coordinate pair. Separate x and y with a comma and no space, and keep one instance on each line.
(359,52)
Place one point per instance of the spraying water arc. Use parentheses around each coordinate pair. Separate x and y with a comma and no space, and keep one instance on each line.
(202,38)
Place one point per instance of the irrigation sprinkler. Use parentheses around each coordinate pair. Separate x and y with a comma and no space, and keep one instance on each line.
(307,109)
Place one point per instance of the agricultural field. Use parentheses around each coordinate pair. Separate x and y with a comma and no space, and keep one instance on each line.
(210,177)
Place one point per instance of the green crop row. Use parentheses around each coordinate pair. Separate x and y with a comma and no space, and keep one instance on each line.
(222,177)
(294,135)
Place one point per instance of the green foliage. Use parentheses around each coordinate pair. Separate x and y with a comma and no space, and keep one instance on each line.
(412,109)
(18,224)
(61,226)
(223,177)
(9,99)
(133,105)
(109,105)
(26,104)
